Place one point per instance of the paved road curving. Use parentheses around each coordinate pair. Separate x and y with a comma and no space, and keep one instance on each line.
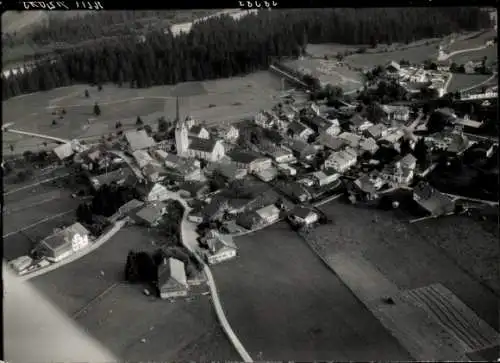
(189,240)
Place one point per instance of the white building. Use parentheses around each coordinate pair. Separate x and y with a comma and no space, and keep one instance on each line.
(282,156)
(63,243)
(397,113)
(350,139)
(199,131)
(368,145)
(231,134)
(323,178)
(142,158)
(269,214)
(221,247)
(157,193)
(303,216)
(340,161)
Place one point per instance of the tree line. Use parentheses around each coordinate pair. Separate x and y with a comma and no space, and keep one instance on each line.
(224,47)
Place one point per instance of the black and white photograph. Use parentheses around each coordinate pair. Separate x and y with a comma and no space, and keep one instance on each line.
(250,184)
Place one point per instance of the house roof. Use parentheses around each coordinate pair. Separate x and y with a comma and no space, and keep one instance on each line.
(204,145)
(268,211)
(394,65)
(131,205)
(431,199)
(297,127)
(458,143)
(365,184)
(150,169)
(408,159)
(376,130)
(302,212)
(151,212)
(111,177)
(139,139)
(357,120)
(217,241)
(63,151)
(172,273)
(229,170)
(331,142)
(77,228)
(56,242)
(301,147)
(241,156)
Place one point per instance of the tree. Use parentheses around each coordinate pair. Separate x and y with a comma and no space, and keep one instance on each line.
(97,109)
(84,213)
(99,87)
(148,129)
(54,122)
(162,124)
(139,121)
(118,125)
(405,147)
(87,94)
(63,111)
(421,152)
(454,67)
(11,147)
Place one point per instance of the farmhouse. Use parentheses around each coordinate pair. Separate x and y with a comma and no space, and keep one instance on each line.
(154,172)
(63,243)
(142,158)
(303,216)
(432,200)
(299,131)
(302,150)
(220,247)
(351,139)
(342,160)
(282,156)
(397,113)
(63,151)
(129,207)
(331,142)
(172,281)
(151,215)
(357,123)
(325,177)
(157,192)
(269,214)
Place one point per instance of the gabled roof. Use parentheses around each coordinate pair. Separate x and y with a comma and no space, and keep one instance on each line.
(139,139)
(394,65)
(297,128)
(77,228)
(241,156)
(302,212)
(301,147)
(63,151)
(196,129)
(172,273)
(204,145)
(357,120)
(151,212)
(331,142)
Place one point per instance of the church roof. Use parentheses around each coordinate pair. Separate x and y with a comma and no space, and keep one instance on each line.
(199,144)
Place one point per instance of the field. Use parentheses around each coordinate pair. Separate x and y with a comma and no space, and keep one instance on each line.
(285,304)
(131,325)
(454,251)
(224,100)
(327,71)
(472,40)
(416,54)
(466,81)
(490,52)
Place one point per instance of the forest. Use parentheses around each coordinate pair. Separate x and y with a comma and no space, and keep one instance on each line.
(224,47)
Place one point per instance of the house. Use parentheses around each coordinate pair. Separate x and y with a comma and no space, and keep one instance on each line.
(368,145)
(130,207)
(154,173)
(366,187)
(301,216)
(282,156)
(432,200)
(220,247)
(171,161)
(195,277)
(393,69)
(317,123)
(288,111)
(266,175)
(443,66)
(325,177)
(117,176)
(151,214)
(263,119)
(397,175)
(20,264)
(215,209)
(171,279)
(394,136)
(63,243)
(459,143)
(231,171)
(138,140)
(397,113)
(350,139)
(199,132)
(231,134)
(302,150)
(332,128)
(63,151)
(299,131)
(375,131)
(269,214)
(470,67)
(314,108)
(142,158)
(157,192)
(296,192)
(331,142)
(407,162)
(195,217)
(340,161)
(286,170)
(357,123)
(248,160)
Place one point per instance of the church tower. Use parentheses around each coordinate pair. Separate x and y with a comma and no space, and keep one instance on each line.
(181,133)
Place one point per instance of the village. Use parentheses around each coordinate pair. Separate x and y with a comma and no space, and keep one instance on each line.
(241,177)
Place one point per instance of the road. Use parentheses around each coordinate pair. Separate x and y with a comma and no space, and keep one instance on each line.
(446,56)
(479,84)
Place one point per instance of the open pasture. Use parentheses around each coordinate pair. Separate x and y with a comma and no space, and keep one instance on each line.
(470,40)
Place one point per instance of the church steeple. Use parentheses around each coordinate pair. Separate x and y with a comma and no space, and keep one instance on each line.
(177,118)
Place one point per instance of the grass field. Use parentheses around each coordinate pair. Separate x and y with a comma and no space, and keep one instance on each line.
(472,40)
(224,100)
(454,251)
(491,53)
(413,55)
(465,81)
(327,71)
(285,304)
(122,317)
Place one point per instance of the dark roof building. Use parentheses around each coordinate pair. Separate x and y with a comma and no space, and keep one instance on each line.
(432,200)
(243,157)
(172,281)
(200,144)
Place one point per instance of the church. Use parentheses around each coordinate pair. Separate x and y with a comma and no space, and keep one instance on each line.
(208,149)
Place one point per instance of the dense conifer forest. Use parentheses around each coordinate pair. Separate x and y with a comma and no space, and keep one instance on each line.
(223,47)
